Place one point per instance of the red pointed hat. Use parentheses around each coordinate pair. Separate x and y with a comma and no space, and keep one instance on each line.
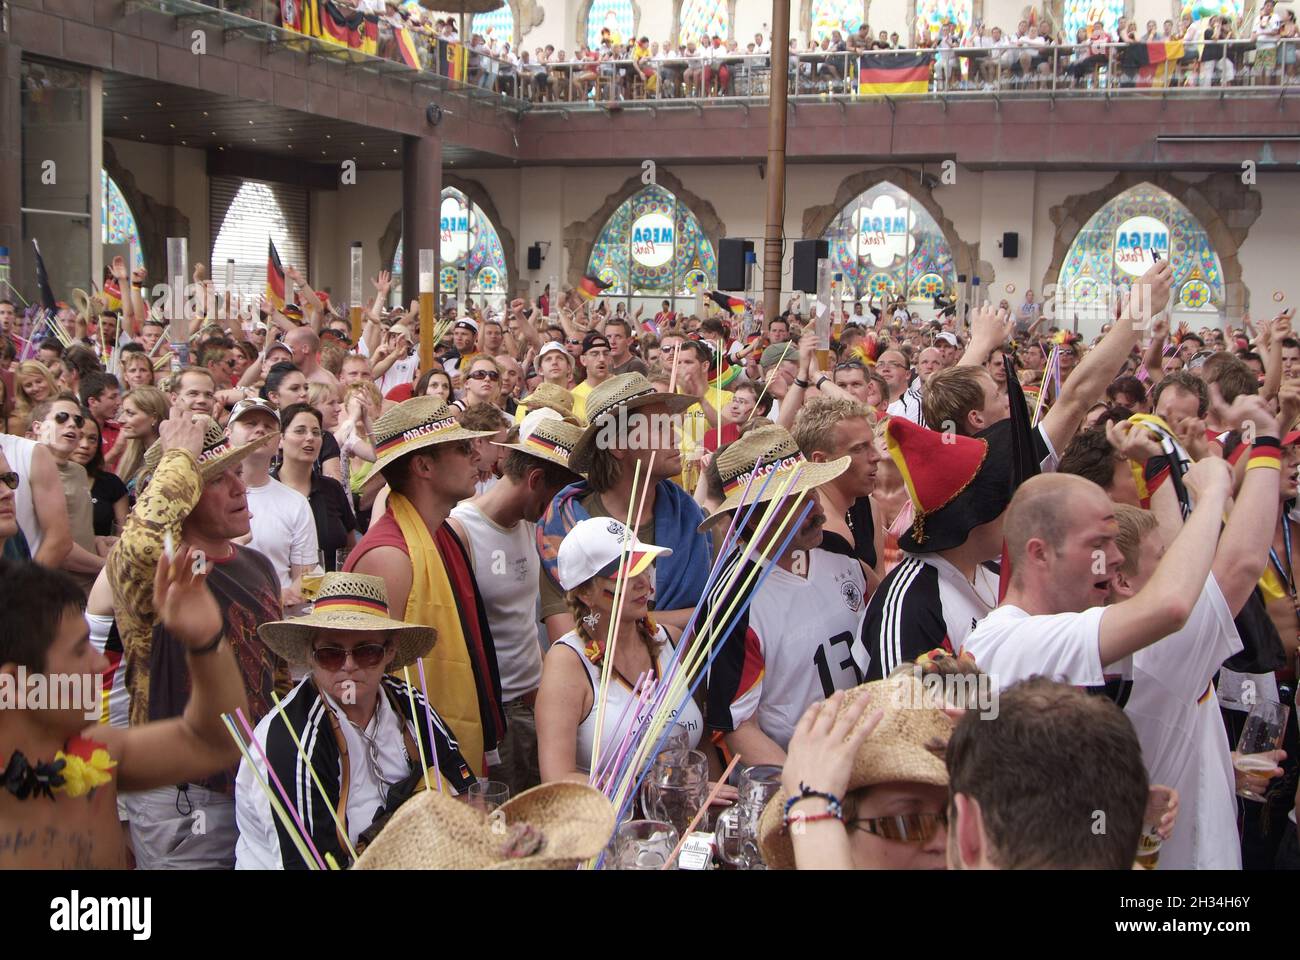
(955,483)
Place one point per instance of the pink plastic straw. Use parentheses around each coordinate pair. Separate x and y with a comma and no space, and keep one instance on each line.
(428,715)
(284,794)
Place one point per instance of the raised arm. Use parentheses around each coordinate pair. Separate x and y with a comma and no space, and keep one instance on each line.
(990,329)
(1164,604)
(1243,547)
(1154,357)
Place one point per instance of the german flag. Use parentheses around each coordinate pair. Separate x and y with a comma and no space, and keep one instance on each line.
(884,74)
(457,62)
(274,276)
(112,295)
(733,305)
(1153,62)
(334,24)
(592,287)
(366,33)
(407,48)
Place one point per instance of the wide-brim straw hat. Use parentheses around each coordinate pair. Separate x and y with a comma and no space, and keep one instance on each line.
(550,395)
(762,452)
(555,826)
(904,748)
(629,391)
(348,601)
(415,424)
(546,435)
(217,456)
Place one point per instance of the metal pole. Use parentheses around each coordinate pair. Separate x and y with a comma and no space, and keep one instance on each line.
(774,235)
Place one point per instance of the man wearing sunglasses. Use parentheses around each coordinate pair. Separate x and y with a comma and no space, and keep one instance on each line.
(597,362)
(8,506)
(56,425)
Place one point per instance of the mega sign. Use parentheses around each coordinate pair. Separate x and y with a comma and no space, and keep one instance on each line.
(652,240)
(454,230)
(1135,239)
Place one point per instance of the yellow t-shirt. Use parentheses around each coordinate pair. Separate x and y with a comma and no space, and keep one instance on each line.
(691,444)
(580,399)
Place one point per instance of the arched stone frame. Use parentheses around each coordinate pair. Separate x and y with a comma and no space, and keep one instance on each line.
(677,20)
(580,22)
(478,196)
(1207,200)
(580,236)
(805,20)
(154,221)
(965,256)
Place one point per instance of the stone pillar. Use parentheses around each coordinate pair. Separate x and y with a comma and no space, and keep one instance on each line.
(421,201)
(11,164)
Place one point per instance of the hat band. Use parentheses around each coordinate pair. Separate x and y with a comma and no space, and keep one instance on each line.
(350,603)
(619,402)
(760,471)
(547,445)
(211,453)
(418,433)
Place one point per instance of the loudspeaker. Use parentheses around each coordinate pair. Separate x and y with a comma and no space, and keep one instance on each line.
(535,257)
(1010,245)
(731,262)
(806,255)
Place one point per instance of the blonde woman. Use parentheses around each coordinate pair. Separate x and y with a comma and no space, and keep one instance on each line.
(33,383)
(143,409)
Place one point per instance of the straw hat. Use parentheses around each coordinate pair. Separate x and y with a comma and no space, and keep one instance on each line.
(550,395)
(415,424)
(347,601)
(552,827)
(217,456)
(767,450)
(630,391)
(546,435)
(897,751)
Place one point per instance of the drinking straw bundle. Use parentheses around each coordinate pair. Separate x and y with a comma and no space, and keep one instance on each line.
(1051,373)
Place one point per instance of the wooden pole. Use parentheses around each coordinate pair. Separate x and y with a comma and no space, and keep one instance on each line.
(774,235)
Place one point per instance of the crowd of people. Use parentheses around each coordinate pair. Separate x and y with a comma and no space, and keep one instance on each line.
(1215,51)
(407,582)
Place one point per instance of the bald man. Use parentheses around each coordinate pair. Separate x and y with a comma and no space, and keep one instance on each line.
(1061,535)
(305,345)
(929,362)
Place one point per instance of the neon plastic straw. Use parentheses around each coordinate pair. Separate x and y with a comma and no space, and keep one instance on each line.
(289,828)
(419,736)
(428,715)
(302,753)
(239,712)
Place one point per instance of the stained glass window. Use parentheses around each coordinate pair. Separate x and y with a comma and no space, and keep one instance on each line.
(468,242)
(614,14)
(703,18)
(1115,247)
(1204,9)
(499,24)
(117,222)
(842,15)
(1082,14)
(653,246)
(934,13)
(886,244)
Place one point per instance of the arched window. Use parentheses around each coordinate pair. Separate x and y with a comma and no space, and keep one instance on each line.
(468,243)
(842,15)
(702,18)
(1115,247)
(886,244)
(117,222)
(499,24)
(616,15)
(932,14)
(1083,14)
(652,246)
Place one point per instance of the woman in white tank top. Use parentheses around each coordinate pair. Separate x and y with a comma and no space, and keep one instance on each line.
(568,701)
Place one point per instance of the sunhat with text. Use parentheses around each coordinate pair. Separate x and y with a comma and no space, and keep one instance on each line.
(631,391)
(547,435)
(415,424)
(217,455)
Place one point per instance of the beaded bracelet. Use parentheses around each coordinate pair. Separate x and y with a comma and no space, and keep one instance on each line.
(802,818)
(833,805)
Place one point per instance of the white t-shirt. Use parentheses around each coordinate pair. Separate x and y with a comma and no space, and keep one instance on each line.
(283,528)
(1175,712)
(18,451)
(1011,645)
(908,406)
(506,567)
(402,371)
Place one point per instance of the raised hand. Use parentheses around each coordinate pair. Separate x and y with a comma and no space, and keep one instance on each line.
(1252,416)
(200,273)
(181,431)
(383,282)
(119,269)
(1132,441)
(825,742)
(990,326)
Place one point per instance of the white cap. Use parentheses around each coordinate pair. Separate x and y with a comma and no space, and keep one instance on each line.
(554,346)
(595,545)
(947,337)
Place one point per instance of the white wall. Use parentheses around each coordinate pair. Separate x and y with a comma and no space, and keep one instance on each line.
(1268,254)
(173,176)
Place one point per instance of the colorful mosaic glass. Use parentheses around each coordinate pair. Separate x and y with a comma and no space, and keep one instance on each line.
(1091,280)
(884,242)
(934,13)
(499,24)
(1082,14)
(1204,9)
(842,15)
(117,222)
(652,245)
(614,14)
(485,262)
(703,18)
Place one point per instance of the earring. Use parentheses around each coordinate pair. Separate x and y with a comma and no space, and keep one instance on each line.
(591,620)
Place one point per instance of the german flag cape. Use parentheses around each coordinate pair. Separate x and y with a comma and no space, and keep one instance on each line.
(884,74)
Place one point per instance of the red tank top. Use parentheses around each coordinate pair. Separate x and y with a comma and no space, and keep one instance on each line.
(384,532)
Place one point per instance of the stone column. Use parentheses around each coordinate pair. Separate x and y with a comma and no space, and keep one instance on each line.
(421,201)
(11,164)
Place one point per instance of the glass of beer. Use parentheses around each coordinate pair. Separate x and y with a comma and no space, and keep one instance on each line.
(1261,735)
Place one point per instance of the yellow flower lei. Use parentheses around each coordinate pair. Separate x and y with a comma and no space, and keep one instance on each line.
(87,765)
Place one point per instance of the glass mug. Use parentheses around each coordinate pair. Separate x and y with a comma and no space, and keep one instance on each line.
(642,845)
(676,787)
(1262,734)
(737,833)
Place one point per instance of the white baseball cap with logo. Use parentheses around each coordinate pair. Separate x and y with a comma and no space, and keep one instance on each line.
(595,547)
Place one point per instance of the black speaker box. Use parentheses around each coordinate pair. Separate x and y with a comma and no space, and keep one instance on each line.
(1010,245)
(535,257)
(806,255)
(731,262)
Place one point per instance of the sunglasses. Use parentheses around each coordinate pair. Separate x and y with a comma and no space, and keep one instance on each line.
(365,656)
(850,365)
(485,375)
(905,827)
(63,417)
(573,343)
(9,479)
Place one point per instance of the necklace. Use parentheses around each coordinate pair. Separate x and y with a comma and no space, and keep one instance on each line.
(76,770)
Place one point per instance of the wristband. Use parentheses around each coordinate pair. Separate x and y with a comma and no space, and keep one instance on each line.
(799,819)
(1265,456)
(821,380)
(833,805)
(802,384)
(208,647)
